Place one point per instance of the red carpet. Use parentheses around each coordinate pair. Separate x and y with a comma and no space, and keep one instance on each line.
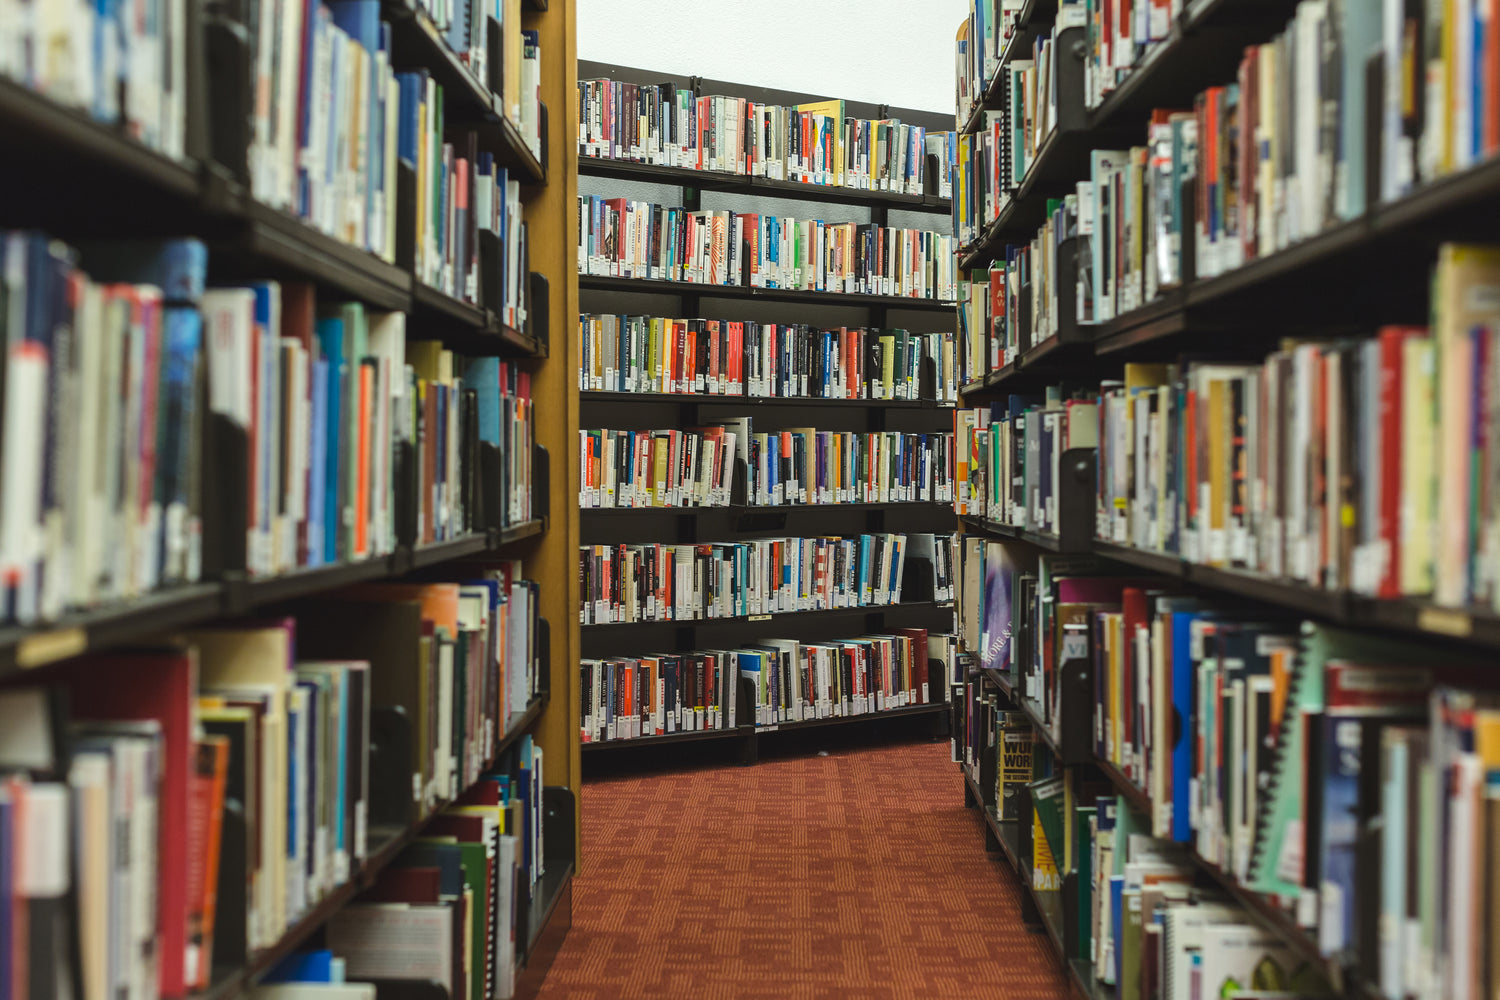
(859,874)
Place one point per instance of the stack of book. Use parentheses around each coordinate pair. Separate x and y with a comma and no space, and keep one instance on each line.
(656,582)
(820,143)
(242,759)
(650,354)
(622,238)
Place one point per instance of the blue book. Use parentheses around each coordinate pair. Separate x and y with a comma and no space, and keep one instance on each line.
(317,491)
(522,791)
(267,309)
(310,12)
(331,339)
(108,50)
(306,967)
(1182,704)
(178,267)
(1117,916)
(483,376)
(409,97)
(360,20)
(182,344)
(749,663)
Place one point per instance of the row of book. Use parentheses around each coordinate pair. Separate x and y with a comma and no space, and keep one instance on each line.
(242,761)
(692,467)
(652,354)
(801,465)
(1009,458)
(786,680)
(462,197)
(982,39)
(331,117)
(121,68)
(1357,464)
(816,143)
(1022,299)
(992,161)
(1117,34)
(1268,169)
(696,467)
(624,238)
(112,344)
(659,582)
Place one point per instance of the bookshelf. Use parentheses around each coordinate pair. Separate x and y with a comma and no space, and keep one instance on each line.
(740,520)
(1369,263)
(83,179)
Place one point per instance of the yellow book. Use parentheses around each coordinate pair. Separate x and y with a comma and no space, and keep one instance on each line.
(833,111)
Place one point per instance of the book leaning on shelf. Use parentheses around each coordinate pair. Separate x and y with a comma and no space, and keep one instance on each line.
(650,354)
(622,238)
(816,143)
(659,582)
(240,758)
(788,680)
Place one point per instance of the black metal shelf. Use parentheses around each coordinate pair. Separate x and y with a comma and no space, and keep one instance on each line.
(904,711)
(1056,357)
(704,399)
(1088,985)
(904,609)
(33,120)
(1137,796)
(645,286)
(1048,542)
(179,607)
(687,736)
(714,180)
(740,508)
(285,242)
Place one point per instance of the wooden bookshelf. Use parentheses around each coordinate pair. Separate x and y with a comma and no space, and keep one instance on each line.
(81,178)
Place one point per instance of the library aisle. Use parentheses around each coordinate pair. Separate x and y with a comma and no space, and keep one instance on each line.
(849,875)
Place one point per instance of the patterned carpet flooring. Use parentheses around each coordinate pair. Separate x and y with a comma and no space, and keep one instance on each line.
(855,875)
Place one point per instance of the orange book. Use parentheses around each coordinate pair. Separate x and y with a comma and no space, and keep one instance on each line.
(209,780)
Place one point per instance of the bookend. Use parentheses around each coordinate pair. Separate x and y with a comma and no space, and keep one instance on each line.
(1072,111)
(927,379)
(1074,720)
(542,126)
(395,793)
(917,580)
(406,216)
(541,483)
(543,659)
(223,464)
(230,938)
(538,310)
(739,485)
(1076,507)
(406,494)
(228,76)
(494,487)
(407,989)
(749,744)
(1024,854)
(491,283)
(494,43)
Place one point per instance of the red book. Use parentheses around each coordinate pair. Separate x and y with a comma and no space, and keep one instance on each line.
(918,637)
(158,686)
(735,346)
(1392,341)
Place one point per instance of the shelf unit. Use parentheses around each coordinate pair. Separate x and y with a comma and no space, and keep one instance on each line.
(88,179)
(618,410)
(1337,281)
